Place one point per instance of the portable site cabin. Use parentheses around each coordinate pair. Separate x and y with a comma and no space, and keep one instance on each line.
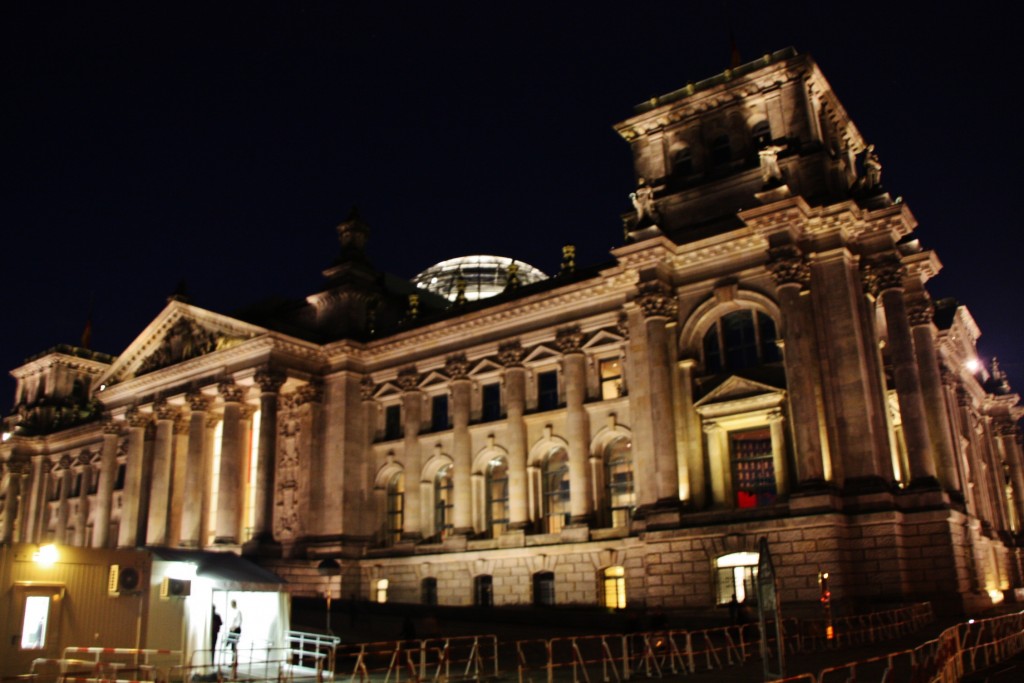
(54,597)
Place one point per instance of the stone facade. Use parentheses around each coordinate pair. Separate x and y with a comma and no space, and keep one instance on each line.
(761,359)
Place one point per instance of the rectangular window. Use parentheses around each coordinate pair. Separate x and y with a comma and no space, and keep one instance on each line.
(547,390)
(392,422)
(753,468)
(611,378)
(615,587)
(439,413)
(491,396)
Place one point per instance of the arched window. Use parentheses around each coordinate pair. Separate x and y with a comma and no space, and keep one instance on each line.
(428,591)
(497,497)
(738,340)
(483,591)
(395,508)
(544,588)
(762,134)
(614,587)
(621,499)
(682,162)
(443,502)
(735,574)
(555,487)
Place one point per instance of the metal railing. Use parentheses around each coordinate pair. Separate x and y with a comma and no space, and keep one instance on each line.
(431,659)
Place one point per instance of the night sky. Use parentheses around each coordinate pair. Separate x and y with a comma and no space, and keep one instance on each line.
(221,143)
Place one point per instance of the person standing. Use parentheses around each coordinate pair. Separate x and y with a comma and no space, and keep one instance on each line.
(215,623)
(235,631)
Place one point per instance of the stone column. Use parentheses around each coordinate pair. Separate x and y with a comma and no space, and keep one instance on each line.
(1006,434)
(920,313)
(270,383)
(160,491)
(66,480)
(105,486)
(34,512)
(792,276)
(457,368)
(510,354)
(885,279)
(658,308)
(14,503)
(83,472)
(208,522)
(778,439)
(229,494)
(371,411)
(718,457)
(412,411)
(577,425)
(178,476)
(691,443)
(192,512)
(131,531)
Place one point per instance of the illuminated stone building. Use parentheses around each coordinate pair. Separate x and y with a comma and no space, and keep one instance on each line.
(760,358)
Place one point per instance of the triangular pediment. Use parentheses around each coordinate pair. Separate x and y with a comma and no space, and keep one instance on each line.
(542,353)
(178,334)
(603,338)
(387,389)
(485,366)
(433,378)
(736,388)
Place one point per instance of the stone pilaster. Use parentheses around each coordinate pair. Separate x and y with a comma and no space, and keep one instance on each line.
(412,412)
(18,472)
(1006,434)
(230,490)
(510,354)
(158,526)
(191,514)
(105,486)
(33,524)
(270,383)
(570,342)
(920,314)
(66,476)
(884,277)
(800,355)
(691,443)
(134,497)
(457,368)
(82,468)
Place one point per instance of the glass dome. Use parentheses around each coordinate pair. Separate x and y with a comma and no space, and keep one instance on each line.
(484,275)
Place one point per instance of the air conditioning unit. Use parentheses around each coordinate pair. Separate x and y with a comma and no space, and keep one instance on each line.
(175,588)
(123,580)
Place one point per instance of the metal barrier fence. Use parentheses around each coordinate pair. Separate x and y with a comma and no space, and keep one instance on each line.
(431,659)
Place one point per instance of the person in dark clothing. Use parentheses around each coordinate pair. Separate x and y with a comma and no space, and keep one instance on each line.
(215,623)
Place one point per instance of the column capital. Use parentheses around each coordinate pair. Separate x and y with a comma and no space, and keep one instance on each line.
(656,301)
(269,380)
(963,397)
(64,463)
(456,366)
(366,387)
(311,392)
(622,325)
(883,272)
(570,339)
(511,353)
(787,265)
(163,411)
(112,427)
(409,378)
(181,426)
(231,392)
(136,419)
(197,401)
(920,310)
(1005,429)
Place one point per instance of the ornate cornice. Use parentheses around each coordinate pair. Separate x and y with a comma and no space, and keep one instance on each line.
(787,265)
(570,339)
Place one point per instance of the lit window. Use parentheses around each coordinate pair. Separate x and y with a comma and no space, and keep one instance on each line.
(33,626)
(615,587)
(738,340)
(396,508)
(621,498)
(483,591)
(753,468)
(382,591)
(443,502)
(735,576)
(611,378)
(544,588)
(556,491)
(497,497)
(491,397)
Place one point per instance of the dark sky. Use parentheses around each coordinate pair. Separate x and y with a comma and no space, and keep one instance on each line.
(221,143)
